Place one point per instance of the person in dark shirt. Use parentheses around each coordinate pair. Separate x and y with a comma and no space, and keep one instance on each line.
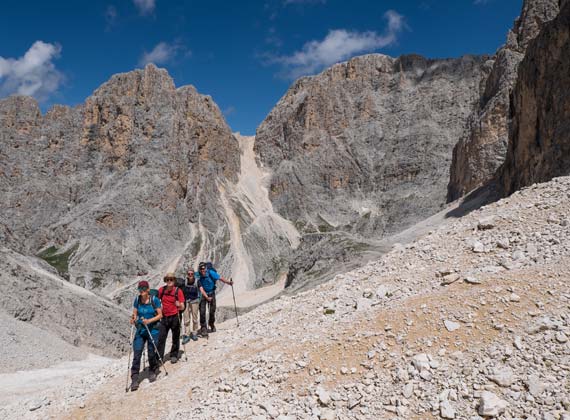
(192,298)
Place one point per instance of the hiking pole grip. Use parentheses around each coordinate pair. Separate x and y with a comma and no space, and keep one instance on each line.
(235,306)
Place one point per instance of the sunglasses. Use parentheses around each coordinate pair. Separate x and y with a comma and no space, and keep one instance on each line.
(143,289)
(167,280)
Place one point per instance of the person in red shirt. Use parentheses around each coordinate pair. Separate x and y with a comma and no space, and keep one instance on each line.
(172,299)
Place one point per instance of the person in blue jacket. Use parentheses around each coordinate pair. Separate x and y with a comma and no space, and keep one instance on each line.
(147,313)
(207,282)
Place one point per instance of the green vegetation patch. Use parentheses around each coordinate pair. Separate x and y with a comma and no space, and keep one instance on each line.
(60,261)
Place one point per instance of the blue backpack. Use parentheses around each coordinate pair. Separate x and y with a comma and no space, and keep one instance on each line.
(210,266)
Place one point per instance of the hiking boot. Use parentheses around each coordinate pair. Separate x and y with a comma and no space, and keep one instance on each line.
(134,382)
(194,337)
(185,339)
(152,376)
(173,359)
(203,332)
(212,328)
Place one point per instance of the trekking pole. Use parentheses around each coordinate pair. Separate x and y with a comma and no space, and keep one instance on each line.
(155,349)
(144,359)
(129,358)
(235,306)
(181,320)
(207,320)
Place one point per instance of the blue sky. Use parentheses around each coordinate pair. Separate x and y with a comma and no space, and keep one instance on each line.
(244,54)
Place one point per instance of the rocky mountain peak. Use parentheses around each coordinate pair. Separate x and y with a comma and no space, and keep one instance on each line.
(142,84)
(362,148)
(539,143)
(481,150)
(128,167)
(20,113)
(533,16)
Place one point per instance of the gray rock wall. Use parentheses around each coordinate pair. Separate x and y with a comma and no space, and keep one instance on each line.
(365,146)
(482,149)
(539,144)
(120,184)
(32,292)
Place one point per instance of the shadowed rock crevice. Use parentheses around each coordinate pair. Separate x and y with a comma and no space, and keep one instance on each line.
(483,147)
(539,146)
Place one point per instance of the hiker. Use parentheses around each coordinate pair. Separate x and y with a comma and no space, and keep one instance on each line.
(192,297)
(207,279)
(172,300)
(147,312)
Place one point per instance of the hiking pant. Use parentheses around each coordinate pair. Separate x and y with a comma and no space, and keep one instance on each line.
(191,311)
(169,323)
(141,337)
(212,308)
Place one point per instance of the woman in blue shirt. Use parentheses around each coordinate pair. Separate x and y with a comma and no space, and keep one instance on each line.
(147,313)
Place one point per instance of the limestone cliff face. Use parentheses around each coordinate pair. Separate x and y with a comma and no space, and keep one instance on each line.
(32,292)
(119,184)
(482,150)
(365,146)
(539,143)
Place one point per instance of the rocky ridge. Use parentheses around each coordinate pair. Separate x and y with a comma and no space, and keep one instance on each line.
(362,151)
(32,292)
(470,321)
(141,178)
(112,187)
(347,147)
(482,150)
(539,146)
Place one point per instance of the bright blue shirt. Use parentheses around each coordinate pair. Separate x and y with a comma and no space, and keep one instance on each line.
(146,311)
(208,282)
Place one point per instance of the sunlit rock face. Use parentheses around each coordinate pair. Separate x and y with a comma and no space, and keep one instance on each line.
(366,145)
(119,184)
(363,150)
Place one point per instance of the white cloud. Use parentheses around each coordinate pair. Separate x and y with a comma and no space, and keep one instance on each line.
(162,53)
(111,16)
(34,74)
(230,110)
(145,7)
(337,46)
(288,2)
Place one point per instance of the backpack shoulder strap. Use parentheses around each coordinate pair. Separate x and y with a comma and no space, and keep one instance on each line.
(162,291)
(153,305)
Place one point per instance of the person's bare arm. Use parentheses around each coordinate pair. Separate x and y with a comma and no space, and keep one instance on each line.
(230,281)
(134,316)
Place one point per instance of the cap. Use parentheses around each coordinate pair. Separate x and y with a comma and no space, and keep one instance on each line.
(143,283)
